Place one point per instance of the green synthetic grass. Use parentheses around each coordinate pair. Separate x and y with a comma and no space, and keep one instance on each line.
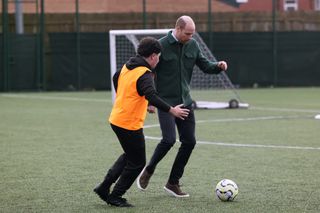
(55,147)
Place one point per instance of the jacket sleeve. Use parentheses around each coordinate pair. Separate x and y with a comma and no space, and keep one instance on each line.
(115,80)
(145,87)
(210,67)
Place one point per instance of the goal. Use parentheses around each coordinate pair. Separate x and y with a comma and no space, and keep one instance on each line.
(213,91)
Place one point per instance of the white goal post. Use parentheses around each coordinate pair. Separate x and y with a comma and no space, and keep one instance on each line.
(113,48)
(123,45)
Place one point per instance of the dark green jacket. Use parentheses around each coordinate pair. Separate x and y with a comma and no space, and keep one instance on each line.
(174,71)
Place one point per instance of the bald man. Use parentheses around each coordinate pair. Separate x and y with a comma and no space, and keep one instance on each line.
(173,76)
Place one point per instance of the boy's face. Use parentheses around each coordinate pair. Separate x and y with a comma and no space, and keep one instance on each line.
(154,60)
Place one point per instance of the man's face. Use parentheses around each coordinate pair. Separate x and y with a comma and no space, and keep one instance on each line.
(186,33)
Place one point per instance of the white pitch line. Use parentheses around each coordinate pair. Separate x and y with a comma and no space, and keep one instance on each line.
(54,98)
(151,126)
(286,109)
(108,101)
(246,145)
(239,119)
(253,118)
(200,121)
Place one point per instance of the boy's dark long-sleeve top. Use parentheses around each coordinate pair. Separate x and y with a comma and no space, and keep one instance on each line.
(174,71)
(145,84)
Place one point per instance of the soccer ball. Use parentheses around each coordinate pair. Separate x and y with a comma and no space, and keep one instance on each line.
(226,190)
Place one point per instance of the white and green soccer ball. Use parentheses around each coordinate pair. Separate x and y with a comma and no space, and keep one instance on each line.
(227,190)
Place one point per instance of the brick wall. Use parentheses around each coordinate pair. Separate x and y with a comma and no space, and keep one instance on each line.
(126,6)
(135,6)
(221,22)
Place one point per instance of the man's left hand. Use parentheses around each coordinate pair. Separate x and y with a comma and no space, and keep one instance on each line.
(223,65)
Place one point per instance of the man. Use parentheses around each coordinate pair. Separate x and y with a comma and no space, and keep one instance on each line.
(134,88)
(173,75)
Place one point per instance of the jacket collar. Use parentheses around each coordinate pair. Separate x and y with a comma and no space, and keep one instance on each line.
(171,39)
(137,61)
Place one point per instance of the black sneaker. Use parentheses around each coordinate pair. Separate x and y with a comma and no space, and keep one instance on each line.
(118,201)
(103,193)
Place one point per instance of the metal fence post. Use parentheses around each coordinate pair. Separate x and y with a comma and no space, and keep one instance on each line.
(5,45)
(38,45)
(41,48)
(210,24)
(144,14)
(78,46)
(19,17)
(275,44)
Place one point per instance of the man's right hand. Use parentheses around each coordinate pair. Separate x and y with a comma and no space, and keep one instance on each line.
(179,112)
(151,109)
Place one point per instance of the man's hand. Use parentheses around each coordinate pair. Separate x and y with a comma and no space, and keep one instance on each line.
(223,65)
(151,109)
(179,112)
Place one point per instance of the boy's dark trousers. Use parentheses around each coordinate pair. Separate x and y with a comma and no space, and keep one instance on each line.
(129,165)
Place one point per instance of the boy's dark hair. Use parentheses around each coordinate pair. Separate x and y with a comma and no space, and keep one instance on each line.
(148,46)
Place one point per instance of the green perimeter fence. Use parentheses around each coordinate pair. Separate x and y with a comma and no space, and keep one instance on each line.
(78,62)
(72,51)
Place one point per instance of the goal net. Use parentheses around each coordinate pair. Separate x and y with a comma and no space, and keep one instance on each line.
(210,91)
